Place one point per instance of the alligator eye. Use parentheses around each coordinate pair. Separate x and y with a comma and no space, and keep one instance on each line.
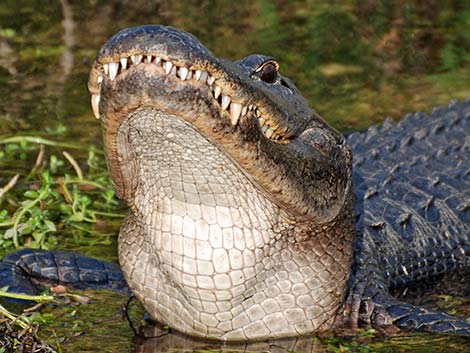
(267,72)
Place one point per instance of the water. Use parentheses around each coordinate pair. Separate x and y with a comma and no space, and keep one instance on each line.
(356,62)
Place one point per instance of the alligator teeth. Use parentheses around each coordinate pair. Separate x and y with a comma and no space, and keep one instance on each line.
(203,77)
(95,103)
(270,129)
(123,62)
(225,102)
(183,72)
(275,126)
(113,70)
(136,59)
(235,110)
(217,91)
(269,132)
(168,66)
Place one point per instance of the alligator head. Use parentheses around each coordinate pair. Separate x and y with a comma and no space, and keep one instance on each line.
(241,217)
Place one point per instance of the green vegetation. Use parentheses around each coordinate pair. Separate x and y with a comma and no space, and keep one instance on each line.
(63,325)
(53,198)
(58,195)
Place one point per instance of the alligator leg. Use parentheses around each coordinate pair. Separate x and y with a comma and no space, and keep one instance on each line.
(388,310)
(23,271)
(369,304)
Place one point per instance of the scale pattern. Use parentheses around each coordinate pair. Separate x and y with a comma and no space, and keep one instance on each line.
(412,183)
(212,255)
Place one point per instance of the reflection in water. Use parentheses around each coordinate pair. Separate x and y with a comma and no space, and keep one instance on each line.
(176,342)
(69,39)
(7,57)
(356,62)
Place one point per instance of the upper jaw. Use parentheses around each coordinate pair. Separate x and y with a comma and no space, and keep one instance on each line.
(181,55)
(158,66)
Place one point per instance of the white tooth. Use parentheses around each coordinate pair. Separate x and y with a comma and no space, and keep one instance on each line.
(203,77)
(106,69)
(136,59)
(269,133)
(265,128)
(95,104)
(217,91)
(235,110)
(183,73)
(157,60)
(148,58)
(225,102)
(168,66)
(257,113)
(261,121)
(197,74)
(113,70)
(210,80)
(173,70)
(190,75)
(244,110)
(123,63)
(100,79)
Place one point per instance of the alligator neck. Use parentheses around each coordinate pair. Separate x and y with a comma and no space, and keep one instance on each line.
(241,220)
(219,239)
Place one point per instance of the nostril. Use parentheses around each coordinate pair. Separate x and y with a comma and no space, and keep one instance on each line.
(340,141)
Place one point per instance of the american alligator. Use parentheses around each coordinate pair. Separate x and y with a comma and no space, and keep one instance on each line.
(249,218)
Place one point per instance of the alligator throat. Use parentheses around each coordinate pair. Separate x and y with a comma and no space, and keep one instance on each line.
(217,239)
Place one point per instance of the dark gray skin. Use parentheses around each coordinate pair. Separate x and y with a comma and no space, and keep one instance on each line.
(297,185)
(412,186)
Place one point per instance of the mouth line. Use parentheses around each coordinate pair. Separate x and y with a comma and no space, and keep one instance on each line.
(230,106)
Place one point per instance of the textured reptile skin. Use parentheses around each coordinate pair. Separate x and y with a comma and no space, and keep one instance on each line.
(217,259)
(21,270)
(234,234)
(412,185)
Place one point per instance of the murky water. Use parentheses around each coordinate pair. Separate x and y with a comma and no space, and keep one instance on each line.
(356,61)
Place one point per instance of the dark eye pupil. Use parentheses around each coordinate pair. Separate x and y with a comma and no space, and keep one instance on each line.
(268,73)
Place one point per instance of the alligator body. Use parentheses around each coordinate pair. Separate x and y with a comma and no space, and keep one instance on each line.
(249,218)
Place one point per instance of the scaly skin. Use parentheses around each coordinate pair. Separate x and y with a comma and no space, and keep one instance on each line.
(412,186)
(242,221)
(231,230)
